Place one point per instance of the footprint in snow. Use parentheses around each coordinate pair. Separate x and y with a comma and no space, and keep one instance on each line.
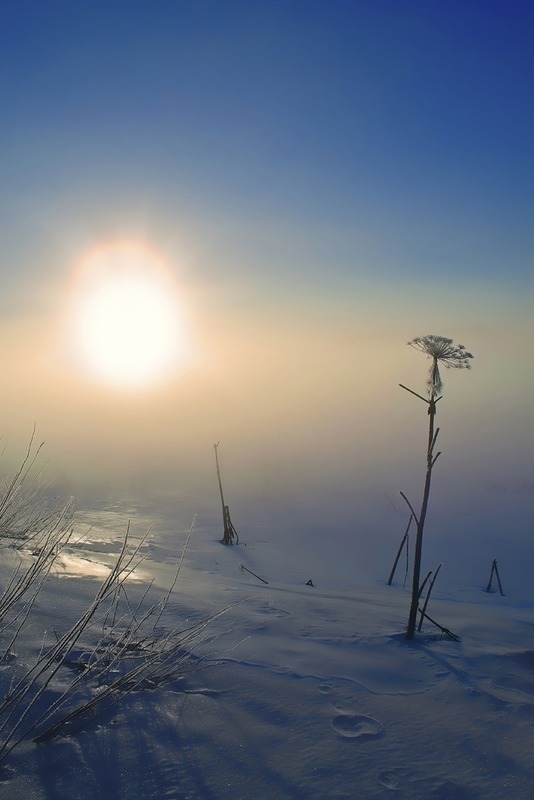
(392,778)
(6,774)
(357,726)
(267,610)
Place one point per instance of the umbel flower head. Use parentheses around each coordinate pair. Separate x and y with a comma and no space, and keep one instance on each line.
(442,351)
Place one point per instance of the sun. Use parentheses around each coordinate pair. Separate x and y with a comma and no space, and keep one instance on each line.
(126,320)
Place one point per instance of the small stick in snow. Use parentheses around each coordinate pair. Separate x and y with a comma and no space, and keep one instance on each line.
(496,571)
(230,532)
(242,566)
(446,631)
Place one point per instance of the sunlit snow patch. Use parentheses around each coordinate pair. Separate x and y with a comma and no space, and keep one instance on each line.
(69,565)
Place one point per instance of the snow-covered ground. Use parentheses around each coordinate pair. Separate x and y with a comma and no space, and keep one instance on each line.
(309,692)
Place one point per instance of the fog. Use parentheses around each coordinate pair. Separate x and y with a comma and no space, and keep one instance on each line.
(315,433)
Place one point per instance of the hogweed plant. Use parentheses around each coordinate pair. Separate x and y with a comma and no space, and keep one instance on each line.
(441,352)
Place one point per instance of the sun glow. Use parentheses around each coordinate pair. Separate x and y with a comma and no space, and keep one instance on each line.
(125,316)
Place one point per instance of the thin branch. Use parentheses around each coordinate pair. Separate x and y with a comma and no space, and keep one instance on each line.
(421,588)
(399,551)
(446,631)
(424,399)
(425,604)
(435,458)
(184,550)
(242,566)
(410,507)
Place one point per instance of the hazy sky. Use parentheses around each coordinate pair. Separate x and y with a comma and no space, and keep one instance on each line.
(323,181)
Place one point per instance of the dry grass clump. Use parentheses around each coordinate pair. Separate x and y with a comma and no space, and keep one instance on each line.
(113,647)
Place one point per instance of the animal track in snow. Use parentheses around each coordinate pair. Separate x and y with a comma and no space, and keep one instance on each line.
(356,726)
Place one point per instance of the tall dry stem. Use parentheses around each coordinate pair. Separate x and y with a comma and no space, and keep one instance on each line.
(440,351)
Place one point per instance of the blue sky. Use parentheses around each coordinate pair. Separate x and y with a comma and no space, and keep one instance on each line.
(403,130)
(326,180)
